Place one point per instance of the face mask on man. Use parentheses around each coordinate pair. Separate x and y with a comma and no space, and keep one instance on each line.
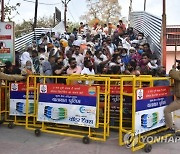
(140,51)
(140,37)
(42,61)
(28,67)
(153,62)
(101,56)
(96,44)
(119,61)
(123,54)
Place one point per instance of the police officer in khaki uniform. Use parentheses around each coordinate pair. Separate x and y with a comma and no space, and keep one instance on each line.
(175,105)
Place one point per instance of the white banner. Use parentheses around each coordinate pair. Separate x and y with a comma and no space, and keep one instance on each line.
(73,104)
(150,106)
(7,52)
(67,114)
(18,100)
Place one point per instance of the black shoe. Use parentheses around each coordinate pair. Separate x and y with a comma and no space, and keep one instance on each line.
(170,131)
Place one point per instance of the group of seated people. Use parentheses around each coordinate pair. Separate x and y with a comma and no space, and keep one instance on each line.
(88,53)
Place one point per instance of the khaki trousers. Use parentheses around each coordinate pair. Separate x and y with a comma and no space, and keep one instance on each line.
(167,112)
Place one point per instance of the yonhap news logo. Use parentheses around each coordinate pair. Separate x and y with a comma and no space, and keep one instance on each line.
(130,139)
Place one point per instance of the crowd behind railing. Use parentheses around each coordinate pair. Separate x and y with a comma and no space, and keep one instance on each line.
(100,49)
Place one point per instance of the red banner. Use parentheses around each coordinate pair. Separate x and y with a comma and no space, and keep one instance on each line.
(5,37)
(19,86)
(68,89)
(116,89)
(5,50)
(153,92)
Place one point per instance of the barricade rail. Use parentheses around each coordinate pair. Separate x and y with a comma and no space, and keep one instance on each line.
(9,113)
(132,135)
(111,101)
(4,102)
(99,132)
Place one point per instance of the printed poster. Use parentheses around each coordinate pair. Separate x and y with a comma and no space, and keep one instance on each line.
(68,104)
(18,100)
(150,106)
(7,52)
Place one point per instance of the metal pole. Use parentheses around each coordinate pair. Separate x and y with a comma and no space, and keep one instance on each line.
(54,21)
(35,15)
(2,11)
(65,11)
(164,39)
(130,10)
(175,53)
(144,5)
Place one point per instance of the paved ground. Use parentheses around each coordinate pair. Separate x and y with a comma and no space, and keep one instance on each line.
(21,141)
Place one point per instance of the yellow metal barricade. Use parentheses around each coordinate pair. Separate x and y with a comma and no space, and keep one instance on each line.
(100,132)
(13,109)
(4,110)
(115,98)
(128,135)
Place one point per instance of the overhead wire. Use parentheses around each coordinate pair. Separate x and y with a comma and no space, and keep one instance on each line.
(71,14)
(30,1)
(41,2)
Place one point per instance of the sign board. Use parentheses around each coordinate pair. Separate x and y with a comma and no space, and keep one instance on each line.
(150,106)
(68,104)
(18,100)
(6,42)
(58,14)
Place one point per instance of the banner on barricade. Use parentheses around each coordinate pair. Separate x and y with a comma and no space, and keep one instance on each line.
(150,106)
(18,100)
(68,104)
(115,101)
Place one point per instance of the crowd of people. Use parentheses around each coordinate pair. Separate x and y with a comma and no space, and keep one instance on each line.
(90,51)
(96,50)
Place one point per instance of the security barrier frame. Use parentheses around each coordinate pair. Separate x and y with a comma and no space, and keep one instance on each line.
(66,130)
(4,103)
(131,130)
(116,79)
(102,130)
(5,117)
